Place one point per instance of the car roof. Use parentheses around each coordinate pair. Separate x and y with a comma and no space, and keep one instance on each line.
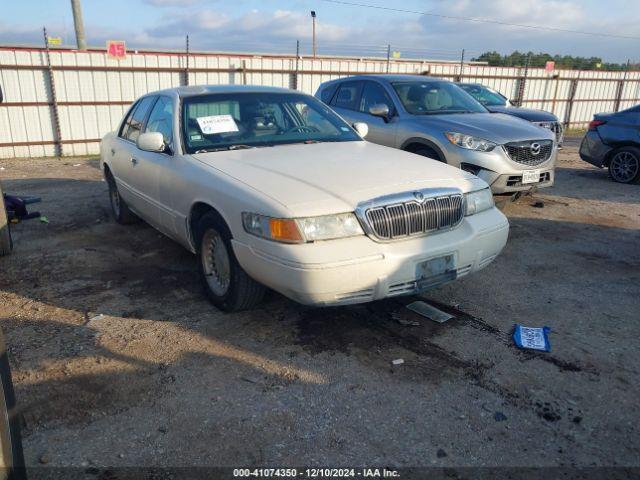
(195,90)
(390,78)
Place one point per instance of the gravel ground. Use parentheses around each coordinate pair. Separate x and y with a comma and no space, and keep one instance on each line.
(119,361)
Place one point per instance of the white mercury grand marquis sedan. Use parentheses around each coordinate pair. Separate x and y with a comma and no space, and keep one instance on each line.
(269,187)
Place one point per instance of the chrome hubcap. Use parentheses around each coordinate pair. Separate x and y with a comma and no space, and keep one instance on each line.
(624,166)
(215,262)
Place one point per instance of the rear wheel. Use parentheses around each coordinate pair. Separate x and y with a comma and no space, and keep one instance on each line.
(6,244)
(624,166)
(11,457)
(226,284)
(119,208)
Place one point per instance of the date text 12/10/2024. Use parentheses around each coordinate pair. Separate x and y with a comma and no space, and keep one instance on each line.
(316,472)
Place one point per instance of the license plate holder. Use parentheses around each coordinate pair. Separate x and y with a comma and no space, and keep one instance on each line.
(530,176)
(435,271)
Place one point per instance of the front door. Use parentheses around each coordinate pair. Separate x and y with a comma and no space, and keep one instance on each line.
(133,174)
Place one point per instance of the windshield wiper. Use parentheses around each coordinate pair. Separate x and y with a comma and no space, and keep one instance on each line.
(220,149)
(447,112)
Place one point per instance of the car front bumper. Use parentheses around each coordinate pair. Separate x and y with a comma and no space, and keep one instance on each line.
(358,269)
(499,171)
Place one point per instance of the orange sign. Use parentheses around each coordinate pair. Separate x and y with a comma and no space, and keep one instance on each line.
(549,66)
(116,49)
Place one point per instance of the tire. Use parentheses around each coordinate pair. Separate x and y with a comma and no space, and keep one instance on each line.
(624,165)
(6,243)
(11,456)
(119,208)
(226,284)
(429,153)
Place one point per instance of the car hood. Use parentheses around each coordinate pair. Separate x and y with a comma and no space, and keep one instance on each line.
(324,178)
(529,114)
(496,127)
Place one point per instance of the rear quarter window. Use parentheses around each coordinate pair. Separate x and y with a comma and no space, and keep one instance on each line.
(326,94)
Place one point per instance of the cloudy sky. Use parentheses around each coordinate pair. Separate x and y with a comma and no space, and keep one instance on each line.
(274,26)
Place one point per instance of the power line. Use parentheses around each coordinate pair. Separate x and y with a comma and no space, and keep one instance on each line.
(481,20)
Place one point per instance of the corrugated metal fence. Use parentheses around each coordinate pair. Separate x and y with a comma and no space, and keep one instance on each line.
(66,108)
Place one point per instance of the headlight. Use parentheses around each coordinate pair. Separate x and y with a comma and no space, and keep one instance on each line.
(469,142)
(300,230)
(330,226)
(478,201)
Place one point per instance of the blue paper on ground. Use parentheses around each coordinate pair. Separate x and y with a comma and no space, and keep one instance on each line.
(535,338)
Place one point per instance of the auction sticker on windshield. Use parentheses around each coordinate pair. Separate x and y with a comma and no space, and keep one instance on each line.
(217,124)
(530,176)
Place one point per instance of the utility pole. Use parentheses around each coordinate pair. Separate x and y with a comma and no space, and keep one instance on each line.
(461,65)
(79,25)
(313,20)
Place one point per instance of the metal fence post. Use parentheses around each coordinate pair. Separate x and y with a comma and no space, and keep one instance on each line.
(461,66)
(186,70)
(294,77)
(388,57)
(572,94)
(620,88)
(57,137)
(522,83)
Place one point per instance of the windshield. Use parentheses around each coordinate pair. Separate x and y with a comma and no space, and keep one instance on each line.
(244,120)
(435,97)
(485,95)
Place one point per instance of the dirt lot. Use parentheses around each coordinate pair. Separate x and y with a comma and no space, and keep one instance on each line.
(164,379)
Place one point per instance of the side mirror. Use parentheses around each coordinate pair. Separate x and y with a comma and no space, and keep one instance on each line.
(362,128)
(379,110)
(151,142)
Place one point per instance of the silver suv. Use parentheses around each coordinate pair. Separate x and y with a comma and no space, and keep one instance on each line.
(439,120)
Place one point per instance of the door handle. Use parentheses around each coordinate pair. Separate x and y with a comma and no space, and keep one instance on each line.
(134,161)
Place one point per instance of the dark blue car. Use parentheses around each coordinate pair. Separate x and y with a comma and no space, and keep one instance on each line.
(495,102)
(613,141)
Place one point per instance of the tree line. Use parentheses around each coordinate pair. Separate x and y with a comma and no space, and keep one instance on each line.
(519,59)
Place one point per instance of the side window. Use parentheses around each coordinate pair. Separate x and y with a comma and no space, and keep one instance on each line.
(131,130)
(327,93)
(374,94)
(127,121)
(348,95)
(161,119)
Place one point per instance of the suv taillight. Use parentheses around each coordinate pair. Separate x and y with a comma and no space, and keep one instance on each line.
(593,124)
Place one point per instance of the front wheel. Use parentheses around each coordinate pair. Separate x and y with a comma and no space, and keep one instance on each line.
(624,166)
(226,284)
(429,153)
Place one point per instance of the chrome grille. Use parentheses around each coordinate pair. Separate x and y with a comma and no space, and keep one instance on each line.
(413,217)
(523,152)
